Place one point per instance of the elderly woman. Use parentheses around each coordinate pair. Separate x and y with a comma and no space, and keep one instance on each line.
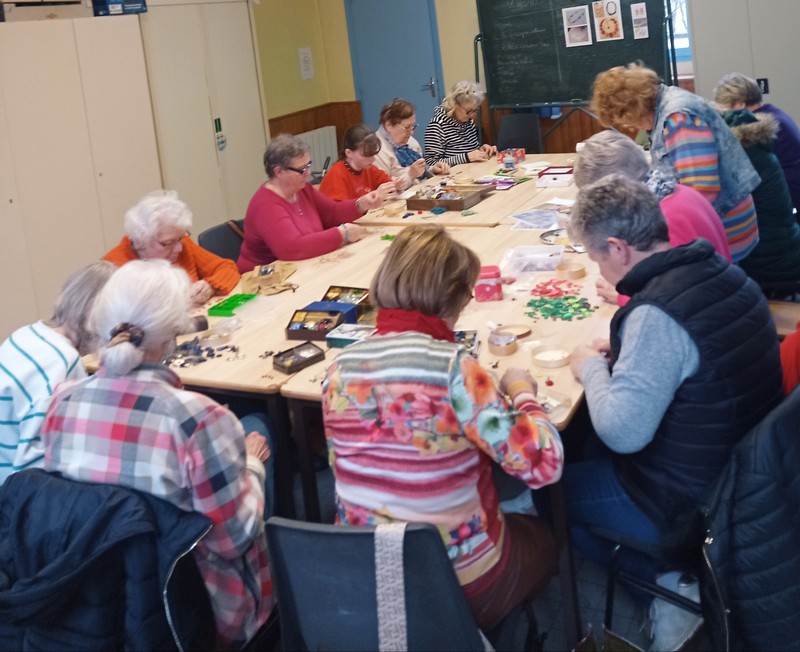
(400,155)
(451,135)
(288,219)
(36,358)
(355,175)
(775,262)
(689,139)
(736,91)
(175,444)
(689,215)
(158,227)
(414,424)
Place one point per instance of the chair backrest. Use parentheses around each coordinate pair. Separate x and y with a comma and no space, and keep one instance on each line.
(223,239)
(520,130)
(325,581)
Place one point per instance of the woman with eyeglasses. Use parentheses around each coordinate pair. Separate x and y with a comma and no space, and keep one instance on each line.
(400,155)
(288,219)
(451,136)
(158,227)
(355,174)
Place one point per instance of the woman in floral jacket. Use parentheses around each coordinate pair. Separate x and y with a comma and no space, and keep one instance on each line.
(414,425)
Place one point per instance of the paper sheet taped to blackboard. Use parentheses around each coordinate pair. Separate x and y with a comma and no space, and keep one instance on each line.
(527,61)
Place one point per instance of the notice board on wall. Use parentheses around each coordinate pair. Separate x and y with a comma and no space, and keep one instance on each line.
(543,51)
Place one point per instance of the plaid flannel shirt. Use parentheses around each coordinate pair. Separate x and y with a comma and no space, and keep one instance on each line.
(144,431)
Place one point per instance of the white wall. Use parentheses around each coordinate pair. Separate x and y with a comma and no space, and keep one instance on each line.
(754,37)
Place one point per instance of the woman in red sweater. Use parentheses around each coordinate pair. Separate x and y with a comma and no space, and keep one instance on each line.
(288,219)
(355,175)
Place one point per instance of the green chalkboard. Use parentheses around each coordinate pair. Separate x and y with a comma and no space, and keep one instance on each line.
(525,53)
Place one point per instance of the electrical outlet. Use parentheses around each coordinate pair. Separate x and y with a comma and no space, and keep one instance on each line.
(763,84)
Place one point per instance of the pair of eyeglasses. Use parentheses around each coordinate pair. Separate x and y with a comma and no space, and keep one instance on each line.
(410,128)
(170,244)
(470,112)
(303,170)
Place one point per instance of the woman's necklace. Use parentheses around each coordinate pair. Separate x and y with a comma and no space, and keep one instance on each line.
(350,169)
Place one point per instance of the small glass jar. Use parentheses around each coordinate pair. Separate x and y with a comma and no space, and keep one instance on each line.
(489,286)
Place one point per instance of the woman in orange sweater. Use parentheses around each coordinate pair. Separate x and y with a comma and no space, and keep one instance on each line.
(354,175)
(158,226)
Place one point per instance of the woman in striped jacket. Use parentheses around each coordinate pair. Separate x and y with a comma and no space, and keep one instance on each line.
(415,425)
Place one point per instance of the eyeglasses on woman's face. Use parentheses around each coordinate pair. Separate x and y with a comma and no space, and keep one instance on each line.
(409,127)
(306,169)
(173,242)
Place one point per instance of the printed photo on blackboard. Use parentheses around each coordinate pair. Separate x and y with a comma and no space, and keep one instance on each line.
(639,19)
(607,20)
(576,26)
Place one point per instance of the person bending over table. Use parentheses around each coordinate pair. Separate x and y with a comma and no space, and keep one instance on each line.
(451,136)
(689,215)
(691,366)
(288,219)
(36,358)
(737,91)
(133,425)
(400,155)
(354,175)
(689,139)
(158,227)
(414,425)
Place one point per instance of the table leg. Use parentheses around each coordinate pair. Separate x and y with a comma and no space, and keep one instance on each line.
(566,565)
(302,438)
(284,487)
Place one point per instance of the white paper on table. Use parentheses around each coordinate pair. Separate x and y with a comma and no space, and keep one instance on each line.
(533,168)
(522,226)
(562,202)
(538,219)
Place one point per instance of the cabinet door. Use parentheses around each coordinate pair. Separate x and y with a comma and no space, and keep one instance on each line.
(49,144)
(120,116)
(175,50)
(17,296)
(236,100)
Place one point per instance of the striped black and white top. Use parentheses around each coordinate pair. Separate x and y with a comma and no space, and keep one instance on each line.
(449,140)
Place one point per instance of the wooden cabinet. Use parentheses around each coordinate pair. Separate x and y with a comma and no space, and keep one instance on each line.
(77,148)
(207,105)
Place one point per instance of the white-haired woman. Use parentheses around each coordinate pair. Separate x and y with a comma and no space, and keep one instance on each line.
(288,219)
(133,425)
(36,358)
(158,227)
(451,136)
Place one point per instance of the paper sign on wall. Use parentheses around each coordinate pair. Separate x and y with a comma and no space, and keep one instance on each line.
(306,63)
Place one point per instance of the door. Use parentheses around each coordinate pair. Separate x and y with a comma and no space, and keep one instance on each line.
(395,51)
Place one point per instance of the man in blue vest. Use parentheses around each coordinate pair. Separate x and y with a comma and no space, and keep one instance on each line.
(691,366)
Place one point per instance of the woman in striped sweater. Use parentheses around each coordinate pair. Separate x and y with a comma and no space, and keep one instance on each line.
(451,136)
(414,426)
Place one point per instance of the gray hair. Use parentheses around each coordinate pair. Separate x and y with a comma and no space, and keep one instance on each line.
(156,209)
(151,295)
(617,207)
(609,152)
(282,150)
(74,303)
(463,92)
(736,87)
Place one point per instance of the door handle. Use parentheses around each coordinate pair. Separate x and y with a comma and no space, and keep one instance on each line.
(431,86)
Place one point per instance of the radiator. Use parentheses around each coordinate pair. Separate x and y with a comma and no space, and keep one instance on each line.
(322,142)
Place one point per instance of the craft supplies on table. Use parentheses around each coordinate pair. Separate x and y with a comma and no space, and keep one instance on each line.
(297,358)
(489,286)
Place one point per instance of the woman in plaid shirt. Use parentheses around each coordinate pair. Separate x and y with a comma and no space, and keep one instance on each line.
(132,424)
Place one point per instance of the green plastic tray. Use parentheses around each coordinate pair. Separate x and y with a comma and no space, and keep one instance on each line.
(228,307)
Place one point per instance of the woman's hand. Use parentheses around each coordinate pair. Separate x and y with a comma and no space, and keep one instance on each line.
(440,168)
(477,155)
(399,183)
(606,290)
(489,150)
(417,168)
(351,232)
(256,445)
(369,201)
(515,375)
(200,292)
(582,353)
(388,189)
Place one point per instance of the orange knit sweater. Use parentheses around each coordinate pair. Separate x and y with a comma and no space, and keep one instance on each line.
(200,264)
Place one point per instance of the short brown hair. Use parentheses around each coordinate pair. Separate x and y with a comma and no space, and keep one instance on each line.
(396,111)
(361,137)
(736,87)
(625,94)
(426,270)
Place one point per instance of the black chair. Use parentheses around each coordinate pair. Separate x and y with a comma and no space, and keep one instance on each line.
(520,130)
(316,177)
(224,240)
(326,585)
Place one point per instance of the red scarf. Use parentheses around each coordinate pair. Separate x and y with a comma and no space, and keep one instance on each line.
(395,320)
